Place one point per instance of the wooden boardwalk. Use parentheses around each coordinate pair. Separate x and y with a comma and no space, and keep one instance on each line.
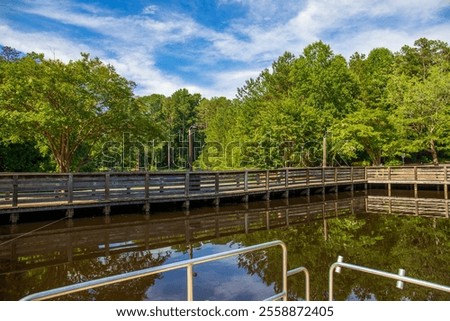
(25,192)
(42,192)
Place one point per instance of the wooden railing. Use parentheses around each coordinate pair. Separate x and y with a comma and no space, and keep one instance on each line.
(41,191)
(29,192)
(409,174)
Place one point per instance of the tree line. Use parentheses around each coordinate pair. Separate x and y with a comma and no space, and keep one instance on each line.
(383,108)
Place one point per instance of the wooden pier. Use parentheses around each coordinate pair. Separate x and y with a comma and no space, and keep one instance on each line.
(25,192)
(43,192)
(414,176)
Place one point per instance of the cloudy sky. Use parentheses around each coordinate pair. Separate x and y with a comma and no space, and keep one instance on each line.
(211,46)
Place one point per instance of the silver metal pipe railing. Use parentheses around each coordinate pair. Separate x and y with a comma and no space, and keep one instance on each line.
(188,264)
(335,267)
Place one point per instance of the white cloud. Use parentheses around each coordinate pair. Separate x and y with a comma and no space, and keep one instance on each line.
(50,44)
(133,43)
(151,9)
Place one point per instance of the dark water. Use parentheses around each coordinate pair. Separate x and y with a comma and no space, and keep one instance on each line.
(48,254)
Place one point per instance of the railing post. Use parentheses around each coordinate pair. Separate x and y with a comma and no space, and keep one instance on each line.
(107,186)
(246,181)
(216,184)
(70,188)
(186,183)
(286,178)
(15,198)
(147,186)
(445,183)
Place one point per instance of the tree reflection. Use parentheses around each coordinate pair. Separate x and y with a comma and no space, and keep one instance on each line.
(419,245)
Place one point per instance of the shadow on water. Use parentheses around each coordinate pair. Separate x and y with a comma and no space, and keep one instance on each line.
(316,231)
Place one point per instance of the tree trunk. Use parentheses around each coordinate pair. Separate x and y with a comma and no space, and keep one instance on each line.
(434,152)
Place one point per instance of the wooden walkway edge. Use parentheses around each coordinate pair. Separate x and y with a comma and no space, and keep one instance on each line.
(33,192)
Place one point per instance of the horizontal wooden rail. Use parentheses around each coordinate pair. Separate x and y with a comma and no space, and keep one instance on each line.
(409,174)
(31,191)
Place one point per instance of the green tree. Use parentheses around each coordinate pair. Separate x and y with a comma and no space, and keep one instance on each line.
(423,112)
(361,134)
(366,133)
(65,107)
(218,120)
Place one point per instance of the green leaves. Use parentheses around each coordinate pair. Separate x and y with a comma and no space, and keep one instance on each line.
(64,106)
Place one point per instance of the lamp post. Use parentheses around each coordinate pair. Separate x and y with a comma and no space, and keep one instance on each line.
(191,146)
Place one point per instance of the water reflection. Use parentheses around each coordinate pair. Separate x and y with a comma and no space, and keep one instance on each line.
(315,230)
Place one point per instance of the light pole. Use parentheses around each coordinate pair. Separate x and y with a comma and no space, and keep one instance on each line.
(191,146)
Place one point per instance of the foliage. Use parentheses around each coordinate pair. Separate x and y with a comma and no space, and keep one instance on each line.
(372,109)
(65,107)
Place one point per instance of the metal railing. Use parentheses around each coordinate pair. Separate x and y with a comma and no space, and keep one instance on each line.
(400,277)
(188,264)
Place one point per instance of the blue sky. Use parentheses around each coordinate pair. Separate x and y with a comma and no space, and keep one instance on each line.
(212,47)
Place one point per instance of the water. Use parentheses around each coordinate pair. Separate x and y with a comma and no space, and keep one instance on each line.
(316,231)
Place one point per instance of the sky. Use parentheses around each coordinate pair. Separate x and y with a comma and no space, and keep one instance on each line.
(212,47)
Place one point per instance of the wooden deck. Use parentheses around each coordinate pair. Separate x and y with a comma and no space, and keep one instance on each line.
(410,175)
(25,192)
(42,192)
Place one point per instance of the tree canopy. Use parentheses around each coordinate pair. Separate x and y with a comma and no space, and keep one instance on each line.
(371,109)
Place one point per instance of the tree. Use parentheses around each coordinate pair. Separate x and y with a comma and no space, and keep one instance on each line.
(65,107)
(218,119)
(423,112)
(366,133)
(363,133)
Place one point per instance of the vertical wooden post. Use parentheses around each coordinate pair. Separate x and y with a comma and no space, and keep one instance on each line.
(186,185)
(216,189)
(186,203)
(246,181)
(147,186)
(107,186)
(147,195)
(445,183)
(286,178)
(70,188)
(15,198)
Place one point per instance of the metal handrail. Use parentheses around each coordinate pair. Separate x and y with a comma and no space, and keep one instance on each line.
(401,278)
(188,264)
